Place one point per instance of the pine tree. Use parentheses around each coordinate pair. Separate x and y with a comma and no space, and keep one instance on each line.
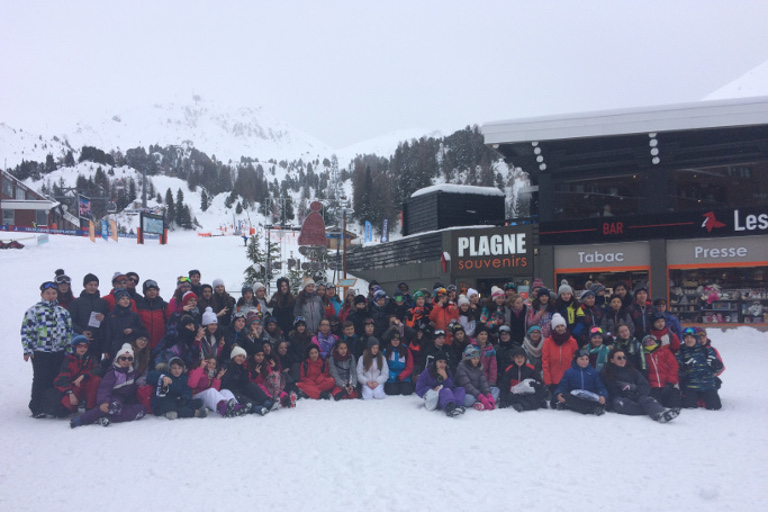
(69,159)
(203,200)
(50,164)
(179,210)
(170,208)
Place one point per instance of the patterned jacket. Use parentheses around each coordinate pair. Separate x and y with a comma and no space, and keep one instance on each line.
(47,327)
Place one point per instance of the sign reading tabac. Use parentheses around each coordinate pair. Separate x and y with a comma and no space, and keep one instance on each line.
(499,251)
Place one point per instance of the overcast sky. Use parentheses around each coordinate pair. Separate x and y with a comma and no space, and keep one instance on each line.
(347,71)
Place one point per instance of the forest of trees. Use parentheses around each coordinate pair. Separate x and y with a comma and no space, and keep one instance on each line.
(380,184)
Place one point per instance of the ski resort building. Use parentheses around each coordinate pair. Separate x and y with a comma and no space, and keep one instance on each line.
(23,207)
(673,196)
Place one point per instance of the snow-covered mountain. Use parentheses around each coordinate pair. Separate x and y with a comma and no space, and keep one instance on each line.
(226,132)
(384,145)
(752,83)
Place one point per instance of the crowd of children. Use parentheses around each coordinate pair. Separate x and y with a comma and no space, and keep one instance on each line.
(119,357)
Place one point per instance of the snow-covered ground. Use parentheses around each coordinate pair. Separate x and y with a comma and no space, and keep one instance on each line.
(388,455)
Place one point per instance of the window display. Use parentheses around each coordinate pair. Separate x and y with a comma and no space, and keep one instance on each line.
(719,295)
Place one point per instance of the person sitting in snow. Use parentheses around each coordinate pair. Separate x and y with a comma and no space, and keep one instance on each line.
(520,386)
(437,388)
(581,389)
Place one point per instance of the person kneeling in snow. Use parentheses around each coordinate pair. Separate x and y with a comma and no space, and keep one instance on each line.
(436,386)
(315,380)
(372,371)
(77,382)
(698,366)
(581,389)
(116,396)
(521,386)
(471,376)
(630,392)
(173,397)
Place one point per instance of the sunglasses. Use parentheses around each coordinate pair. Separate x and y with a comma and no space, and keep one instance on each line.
(125,358)
(134,280)
(620,358)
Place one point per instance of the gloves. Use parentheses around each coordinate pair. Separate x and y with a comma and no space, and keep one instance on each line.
(714,363)
(491,401)
(483,400)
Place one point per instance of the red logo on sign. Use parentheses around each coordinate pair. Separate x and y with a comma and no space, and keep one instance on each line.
(710,222)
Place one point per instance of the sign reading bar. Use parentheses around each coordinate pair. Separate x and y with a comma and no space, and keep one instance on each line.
(694,224)
(492,252)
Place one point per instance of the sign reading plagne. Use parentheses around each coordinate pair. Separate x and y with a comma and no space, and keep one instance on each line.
(498,251)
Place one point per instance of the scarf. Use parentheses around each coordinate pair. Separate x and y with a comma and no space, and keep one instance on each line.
(533,350)
(560,339)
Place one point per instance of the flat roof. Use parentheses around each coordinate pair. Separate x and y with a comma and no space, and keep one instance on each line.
(664,118)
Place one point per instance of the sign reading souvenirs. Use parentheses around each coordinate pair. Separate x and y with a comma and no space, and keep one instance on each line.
(695,224)
(501,251)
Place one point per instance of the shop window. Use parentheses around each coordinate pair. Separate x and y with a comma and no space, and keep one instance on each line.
(8,188)
(8,217)
(598,197)
(730,186)
(719,295)
(580,280)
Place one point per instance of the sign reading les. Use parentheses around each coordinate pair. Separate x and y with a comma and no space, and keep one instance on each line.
(500,251)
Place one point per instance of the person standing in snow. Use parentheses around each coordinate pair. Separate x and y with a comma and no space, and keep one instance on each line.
(46,332)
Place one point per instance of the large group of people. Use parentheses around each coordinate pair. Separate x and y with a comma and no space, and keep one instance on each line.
(119,357)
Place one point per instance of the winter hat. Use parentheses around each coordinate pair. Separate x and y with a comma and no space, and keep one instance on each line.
(517,351)
(441,355)
(659,301)
(510,286)
(698,330)
(379,294)
(319,283)
(194,272)
(299,320)
(557,319)
(641,286)
(587,293)
(533,328)
(359,299)
(218,282)
(306,282)
(463,300)
(133,274)
(209,317)
(581,353)
(76,340)
(237,351)
(505,328)
(185,320)
(543,291)
(149,283)
(246,288)
(650,340)
(369,320)
(61,277)
(125,350)
(187,297)
(457,327)
(472,292)
(402,284)
(116,276)
(398,297)
(482,328)
(270,320)
(372,340)
(439,333)
(496,292)
(89,278)
(657,315)
(120,293)
(176,361)
(252,318)
(597,288)
(418,294)
(537,283)
(438,284)
(564,288)
(470,351)
(258,286)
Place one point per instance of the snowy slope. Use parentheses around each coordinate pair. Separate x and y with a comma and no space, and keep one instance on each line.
(388,455)
(752,83)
